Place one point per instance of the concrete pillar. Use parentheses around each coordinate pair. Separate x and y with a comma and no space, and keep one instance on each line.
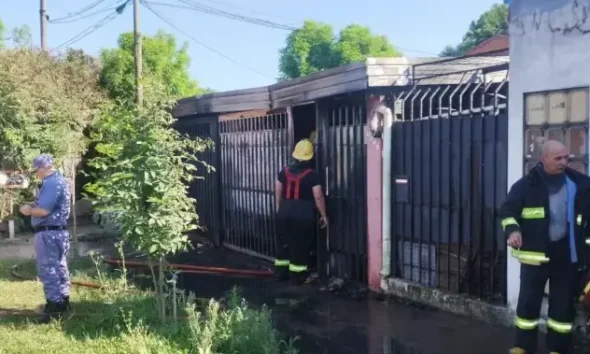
(374,197)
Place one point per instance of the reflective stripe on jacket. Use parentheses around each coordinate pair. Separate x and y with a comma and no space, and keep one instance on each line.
(526,209)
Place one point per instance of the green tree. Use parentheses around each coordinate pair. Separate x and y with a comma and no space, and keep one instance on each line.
(2,33)
(21,36)
(357,43)
(314,47)
(46,102)
(163,64)
(490,23)
(142,173)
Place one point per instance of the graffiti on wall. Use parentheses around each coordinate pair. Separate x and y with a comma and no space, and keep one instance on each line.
(567,17)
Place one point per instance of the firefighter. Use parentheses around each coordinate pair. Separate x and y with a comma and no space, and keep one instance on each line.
(542,218)
(298,194)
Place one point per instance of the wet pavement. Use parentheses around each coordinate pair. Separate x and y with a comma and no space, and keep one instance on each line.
(328,323)
(325,322)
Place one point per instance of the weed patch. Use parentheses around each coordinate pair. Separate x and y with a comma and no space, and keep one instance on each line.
(123,319)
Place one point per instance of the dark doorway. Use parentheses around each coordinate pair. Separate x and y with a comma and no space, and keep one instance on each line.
(304,121)
(304,124)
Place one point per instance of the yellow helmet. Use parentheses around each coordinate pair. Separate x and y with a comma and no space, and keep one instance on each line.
(303,150)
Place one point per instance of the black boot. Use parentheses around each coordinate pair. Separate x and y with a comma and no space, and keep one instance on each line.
(53,310)
(67,306)
(281,274)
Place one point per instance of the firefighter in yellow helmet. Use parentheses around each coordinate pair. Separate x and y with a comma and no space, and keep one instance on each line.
(298,194)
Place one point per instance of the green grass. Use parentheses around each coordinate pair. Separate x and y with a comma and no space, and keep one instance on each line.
(118,321)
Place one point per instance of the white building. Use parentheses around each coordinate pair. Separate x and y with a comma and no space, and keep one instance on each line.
(549,80)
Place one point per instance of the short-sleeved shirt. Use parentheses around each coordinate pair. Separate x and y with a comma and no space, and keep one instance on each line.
(302,208)
(307,183)
(53,196)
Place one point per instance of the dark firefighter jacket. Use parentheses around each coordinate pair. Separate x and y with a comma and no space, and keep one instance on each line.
(526,209)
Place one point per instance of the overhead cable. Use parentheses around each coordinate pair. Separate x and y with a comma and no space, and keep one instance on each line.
(195,6)
(88,31)
(77,12)
(171,24)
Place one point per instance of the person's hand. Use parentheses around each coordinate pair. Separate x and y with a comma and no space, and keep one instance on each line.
(323,222)
(515,239)
(25,210)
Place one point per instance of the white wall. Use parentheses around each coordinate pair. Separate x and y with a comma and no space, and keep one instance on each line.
(549,50)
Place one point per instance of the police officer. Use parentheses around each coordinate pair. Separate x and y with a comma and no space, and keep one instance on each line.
(49,217)
(298,194)
(543,218)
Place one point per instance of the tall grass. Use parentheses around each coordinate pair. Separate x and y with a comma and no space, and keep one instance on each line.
(122,319)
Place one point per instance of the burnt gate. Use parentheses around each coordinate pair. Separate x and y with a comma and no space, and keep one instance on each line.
(342,162)
(253,150)
(449,166)
(206,190)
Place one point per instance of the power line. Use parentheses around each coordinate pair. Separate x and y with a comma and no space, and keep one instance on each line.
(88,31)
(191,5)
(171,24)
(214,11)
(234,6)
(80,11)
(78,17)
(195,6)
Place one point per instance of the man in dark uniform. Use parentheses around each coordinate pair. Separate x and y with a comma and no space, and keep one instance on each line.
(298,194)
(49,217)
(544,218)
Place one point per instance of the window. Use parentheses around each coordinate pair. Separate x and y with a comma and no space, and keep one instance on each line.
(557,115)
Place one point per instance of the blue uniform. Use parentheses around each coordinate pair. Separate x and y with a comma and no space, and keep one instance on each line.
(52,246)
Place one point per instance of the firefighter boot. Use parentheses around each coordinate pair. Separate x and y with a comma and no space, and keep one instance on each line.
(281,274)
(53,310)
(516,350)
(67,306)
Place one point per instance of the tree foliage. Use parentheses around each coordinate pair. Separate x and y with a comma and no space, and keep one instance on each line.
(490,23)
(2,33)
(163,64)
(142,173)
(46,102)
(314,47)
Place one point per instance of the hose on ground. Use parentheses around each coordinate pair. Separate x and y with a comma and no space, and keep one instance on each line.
(194,269)
(86,284)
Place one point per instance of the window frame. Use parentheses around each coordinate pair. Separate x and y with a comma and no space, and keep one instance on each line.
(564,127)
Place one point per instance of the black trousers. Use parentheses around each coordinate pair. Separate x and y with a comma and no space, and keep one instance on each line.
(294,241)
(562,276)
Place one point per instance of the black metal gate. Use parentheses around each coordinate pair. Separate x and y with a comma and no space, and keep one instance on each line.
(449,174)
(342,161)
(206,191)
(253,150)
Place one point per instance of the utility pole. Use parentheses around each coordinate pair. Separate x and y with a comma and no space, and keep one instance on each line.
(43,18)
(138,58)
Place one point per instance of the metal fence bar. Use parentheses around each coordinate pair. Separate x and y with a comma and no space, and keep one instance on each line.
(343,150)
(206,190)
(450,145)
(253,149)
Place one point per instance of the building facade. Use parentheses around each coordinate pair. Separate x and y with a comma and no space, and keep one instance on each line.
(549,80)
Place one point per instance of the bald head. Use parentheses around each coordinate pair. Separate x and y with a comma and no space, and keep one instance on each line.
(554,157)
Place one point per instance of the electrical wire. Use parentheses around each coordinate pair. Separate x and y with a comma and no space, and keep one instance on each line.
(88,31)
(191,5)
(236,16)
(97,12)
(171,24)
(234,6)
(196,6)
(77,12)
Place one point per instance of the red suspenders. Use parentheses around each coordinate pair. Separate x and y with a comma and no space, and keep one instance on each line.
(295,182)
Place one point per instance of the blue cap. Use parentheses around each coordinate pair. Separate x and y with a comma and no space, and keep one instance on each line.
(42,161)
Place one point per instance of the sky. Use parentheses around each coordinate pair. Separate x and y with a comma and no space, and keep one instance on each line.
(418,28)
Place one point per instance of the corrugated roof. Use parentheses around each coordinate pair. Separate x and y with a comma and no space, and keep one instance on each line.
(496,43)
